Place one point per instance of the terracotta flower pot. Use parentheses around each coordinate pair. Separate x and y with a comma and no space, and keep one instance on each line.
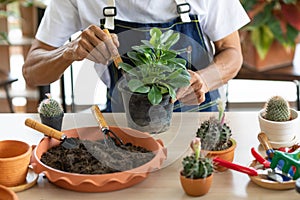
(227,154)
(101,182)
(280,134)
(14,161)
(196,187)
(7,194)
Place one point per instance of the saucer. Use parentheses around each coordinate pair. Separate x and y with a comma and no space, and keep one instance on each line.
(277,145)
(31,180)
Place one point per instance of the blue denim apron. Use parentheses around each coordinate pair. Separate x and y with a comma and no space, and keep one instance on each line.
(130,34)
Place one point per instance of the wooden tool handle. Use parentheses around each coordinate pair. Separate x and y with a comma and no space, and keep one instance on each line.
(99,117)
(264,141)
(118,58)
(44,129)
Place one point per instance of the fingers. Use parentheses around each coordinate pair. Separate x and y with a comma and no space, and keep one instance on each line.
(193,94)
(96,45)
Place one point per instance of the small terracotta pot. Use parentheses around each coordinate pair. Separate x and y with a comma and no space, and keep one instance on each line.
(227,154)
(7,194)
(14,161)
(196,187)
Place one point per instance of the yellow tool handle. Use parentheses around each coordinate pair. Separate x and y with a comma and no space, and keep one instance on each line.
(99,117)
(51,132)
(118,58)
(264,141)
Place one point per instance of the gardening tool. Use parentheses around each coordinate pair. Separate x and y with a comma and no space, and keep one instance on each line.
(66,142)
(104,127)
(266,164)
(249,170)
(263,139)
(118,58)
(260,158)
(290,160)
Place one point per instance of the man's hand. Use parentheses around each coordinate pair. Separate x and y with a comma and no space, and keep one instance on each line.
(93,44)
(193,94)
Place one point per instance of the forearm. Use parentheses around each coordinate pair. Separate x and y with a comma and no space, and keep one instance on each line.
(225,66)
(44,66)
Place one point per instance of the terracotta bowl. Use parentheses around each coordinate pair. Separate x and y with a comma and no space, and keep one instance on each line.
(7,194)
(101,182)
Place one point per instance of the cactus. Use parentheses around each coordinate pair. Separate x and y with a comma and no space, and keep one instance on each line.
(50,107)
(214,133)
(195,166)
(277,109)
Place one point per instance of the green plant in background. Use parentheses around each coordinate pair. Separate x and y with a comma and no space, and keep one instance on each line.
(49,107)
(277,109)
(214,133)
(272,20)
(196,166)
(157,70)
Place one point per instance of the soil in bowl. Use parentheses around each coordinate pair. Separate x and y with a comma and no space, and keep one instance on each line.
(96,157)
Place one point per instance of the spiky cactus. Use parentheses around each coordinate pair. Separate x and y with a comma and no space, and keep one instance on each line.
(195,166)
(214,133)
(277,109)
(49,107)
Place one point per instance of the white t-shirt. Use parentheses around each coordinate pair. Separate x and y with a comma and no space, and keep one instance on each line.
(218,18)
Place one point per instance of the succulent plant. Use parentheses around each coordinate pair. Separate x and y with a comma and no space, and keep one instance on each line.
(156,69)
(49,107)
(196,166)
(214,133)
(277,109)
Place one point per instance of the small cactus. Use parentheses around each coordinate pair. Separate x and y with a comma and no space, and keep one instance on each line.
(277,109)
(50,107)
(214,133)
(195,166)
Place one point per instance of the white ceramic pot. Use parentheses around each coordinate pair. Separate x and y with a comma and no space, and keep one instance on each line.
(280,134)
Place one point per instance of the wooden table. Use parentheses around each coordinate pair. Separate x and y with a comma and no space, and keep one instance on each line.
(289,73)
(164,183)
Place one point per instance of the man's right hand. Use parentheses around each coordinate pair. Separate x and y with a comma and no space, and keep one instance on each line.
(94,44)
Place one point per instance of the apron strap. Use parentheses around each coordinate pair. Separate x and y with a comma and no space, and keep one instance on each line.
(109,12)
(183,9)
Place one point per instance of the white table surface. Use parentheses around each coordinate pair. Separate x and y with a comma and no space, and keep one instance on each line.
(164,183)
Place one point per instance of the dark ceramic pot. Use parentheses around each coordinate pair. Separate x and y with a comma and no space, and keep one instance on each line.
(142,115)
(54,122)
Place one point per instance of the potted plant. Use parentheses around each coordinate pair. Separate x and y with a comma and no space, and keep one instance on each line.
(197,173)
(279,122)
(51,112)
(151,81)
(269,40)
(215,135)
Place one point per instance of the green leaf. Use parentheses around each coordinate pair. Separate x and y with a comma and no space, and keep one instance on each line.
(179,81)
(155,34)
(129,69)
(173,39)
(154,95)
(136,85)
(165,36)
(167,55)
(262,39)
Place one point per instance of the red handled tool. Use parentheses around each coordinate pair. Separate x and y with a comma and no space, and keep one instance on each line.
(260,158)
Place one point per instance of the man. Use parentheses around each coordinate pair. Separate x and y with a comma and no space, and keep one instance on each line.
(213,24)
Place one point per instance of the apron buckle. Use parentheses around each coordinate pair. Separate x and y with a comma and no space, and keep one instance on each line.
(183,8)
(110,11)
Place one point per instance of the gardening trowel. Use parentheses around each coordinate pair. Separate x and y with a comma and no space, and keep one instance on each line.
(68,143)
